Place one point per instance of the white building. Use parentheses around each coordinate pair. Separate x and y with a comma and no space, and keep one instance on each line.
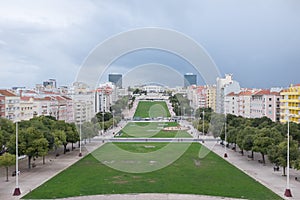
(11,105)
(105,96)
(83,107)
(26,108)
(225,86)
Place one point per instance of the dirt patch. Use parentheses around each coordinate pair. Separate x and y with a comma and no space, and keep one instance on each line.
(175,128)
(120,182)
(152,181)
(197,162)
(136,177)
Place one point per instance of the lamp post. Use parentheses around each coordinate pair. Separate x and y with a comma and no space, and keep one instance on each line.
(17,191)
(80,131)
(203,125)
(288,192)
(225,154)
(113,113)
(103,122)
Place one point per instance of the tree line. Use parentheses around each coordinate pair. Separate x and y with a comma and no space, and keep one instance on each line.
(260,135)
(40,135)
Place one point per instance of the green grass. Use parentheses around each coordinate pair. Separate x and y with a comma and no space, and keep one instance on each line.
(151,129)
(213,176)
(152,109)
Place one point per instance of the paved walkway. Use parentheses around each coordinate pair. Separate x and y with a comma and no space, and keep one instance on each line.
(262,173)
(150,197)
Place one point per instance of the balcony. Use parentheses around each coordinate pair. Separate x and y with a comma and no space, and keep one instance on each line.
(290,100)
(290,93)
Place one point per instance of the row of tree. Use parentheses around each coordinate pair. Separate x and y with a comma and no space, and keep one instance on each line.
(37,136)
(40,135)
(255,135)
(181,105)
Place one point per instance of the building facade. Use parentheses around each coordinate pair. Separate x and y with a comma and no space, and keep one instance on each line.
(290,104)
(116,79)
(105,96)
(225,86)
(26,108)
(190,79)
(10,105)
(253,103)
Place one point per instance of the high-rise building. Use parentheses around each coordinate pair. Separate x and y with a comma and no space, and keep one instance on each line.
(50,84)
(190,79)
(225,86)
(116,79)
(290,104)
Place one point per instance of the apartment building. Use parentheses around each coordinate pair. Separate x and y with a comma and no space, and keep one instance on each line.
(231,104)
(253,103)
(224,87)
(266,103)
(290,104)
(2,105)
(104,97)
(211,96)
(26,108)
(46,106)
(202,96)
(9,105)
(65,108)
(83,107)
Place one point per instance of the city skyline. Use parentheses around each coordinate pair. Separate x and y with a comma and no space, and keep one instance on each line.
(259,49)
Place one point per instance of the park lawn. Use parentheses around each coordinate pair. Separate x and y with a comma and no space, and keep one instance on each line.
(152,109)
(211,176)
(151,129)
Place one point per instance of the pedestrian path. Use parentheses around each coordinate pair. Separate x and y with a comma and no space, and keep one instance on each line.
(151,196)
(263,173)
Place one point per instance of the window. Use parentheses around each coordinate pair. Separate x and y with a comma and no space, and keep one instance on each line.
(270,99)
(270,105)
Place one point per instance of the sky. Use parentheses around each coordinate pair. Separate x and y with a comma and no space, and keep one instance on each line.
(256,41)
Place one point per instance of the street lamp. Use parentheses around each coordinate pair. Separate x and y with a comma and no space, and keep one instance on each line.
(103,122)
(17,191)
(80,131)
(288,192)
(203,125)
(113,112)
(225,154)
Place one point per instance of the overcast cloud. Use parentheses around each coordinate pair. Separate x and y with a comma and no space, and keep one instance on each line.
(258,41)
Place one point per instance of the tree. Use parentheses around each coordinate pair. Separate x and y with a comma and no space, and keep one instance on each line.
(245,138)
(7,160)
(7,129)
(261,144)
(72,134)
(264,140)
(248,143)
(41,146)
(31,143)
(59,138)
(207,113)
(278,154)
(217,123)
(88,130)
